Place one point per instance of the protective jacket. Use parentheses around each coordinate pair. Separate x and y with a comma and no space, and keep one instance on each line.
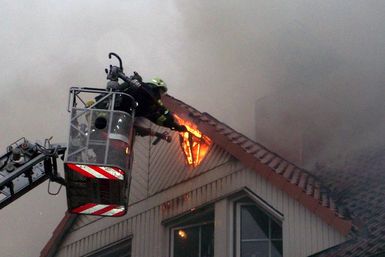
(150,105)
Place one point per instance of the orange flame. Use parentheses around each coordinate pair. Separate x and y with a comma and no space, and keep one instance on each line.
(194,144)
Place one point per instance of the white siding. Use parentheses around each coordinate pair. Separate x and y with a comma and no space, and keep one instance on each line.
(140,172)
(303,232)
(167,165)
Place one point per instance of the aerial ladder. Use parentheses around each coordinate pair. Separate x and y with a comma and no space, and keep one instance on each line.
(26,165)
(97,159)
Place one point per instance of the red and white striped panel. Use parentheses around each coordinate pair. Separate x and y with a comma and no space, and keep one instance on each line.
(93,171)
(112,210)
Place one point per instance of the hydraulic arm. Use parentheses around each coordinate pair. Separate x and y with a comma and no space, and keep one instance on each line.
(25,166)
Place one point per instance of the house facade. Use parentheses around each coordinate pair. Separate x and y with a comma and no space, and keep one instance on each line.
(242,200)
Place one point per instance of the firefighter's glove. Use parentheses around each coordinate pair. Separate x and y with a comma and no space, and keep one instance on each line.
(137,77)
(181,128)
(89,103)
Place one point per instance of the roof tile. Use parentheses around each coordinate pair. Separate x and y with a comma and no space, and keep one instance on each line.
(275,163)
(282,166)
(220,127)
(212,123)
(196,114)
(226,131)
(240,140)
(324,199)
(204,118)
(261,153)
(253,149)
(294,178)
(288,171)
(267,158)
(310,186)
(233,136)
(332,205)
(317,193)
(302,180)
(247,145)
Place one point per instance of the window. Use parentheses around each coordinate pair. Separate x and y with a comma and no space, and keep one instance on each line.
(194,236)
(258,233)
(119,249)
(194,241)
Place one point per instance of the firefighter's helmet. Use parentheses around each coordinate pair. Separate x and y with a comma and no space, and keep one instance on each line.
(159,83)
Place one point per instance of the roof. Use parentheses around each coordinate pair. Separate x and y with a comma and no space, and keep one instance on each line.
(358,183)
(301,185)
(298,183)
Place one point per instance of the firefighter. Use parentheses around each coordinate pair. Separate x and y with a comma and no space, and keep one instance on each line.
(148,96)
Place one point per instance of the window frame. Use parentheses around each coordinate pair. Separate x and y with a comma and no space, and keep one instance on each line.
(200,224)
(238,208)
(112,245)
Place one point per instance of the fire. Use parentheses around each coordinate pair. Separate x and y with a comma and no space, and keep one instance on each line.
(194,144)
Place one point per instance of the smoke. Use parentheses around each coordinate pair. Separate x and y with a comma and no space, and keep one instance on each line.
(316,70)
(331,96)
(277,71)
(308,75)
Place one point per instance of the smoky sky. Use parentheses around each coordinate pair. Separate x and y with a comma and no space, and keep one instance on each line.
(269,69)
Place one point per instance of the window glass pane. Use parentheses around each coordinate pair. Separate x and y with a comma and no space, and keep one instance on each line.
(276,230)
(186,242)
(276,248)
(254,223)
(207,245)
(255,249)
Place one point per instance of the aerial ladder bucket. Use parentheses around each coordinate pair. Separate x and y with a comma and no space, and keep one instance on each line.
(99,155)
